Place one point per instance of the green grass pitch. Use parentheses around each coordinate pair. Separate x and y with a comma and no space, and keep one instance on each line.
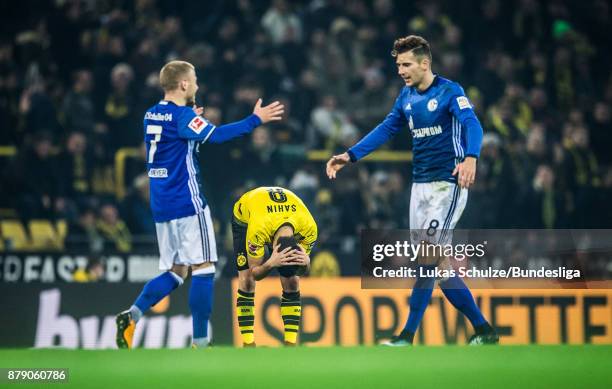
(329,367)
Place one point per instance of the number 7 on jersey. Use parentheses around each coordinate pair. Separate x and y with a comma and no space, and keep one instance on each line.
(157,131)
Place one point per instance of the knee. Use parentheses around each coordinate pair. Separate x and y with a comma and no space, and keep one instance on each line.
(290,284)
(247,286)
(180,271)
(246,282)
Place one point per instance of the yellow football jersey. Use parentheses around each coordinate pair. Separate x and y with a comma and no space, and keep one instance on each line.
(265,209)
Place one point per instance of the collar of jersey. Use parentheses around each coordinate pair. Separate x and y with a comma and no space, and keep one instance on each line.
(433,83)
(166,102)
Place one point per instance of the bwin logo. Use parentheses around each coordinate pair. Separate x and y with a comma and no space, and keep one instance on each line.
(58,328)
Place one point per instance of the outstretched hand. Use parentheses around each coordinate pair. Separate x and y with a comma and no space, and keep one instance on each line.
(336,163)
(271,112)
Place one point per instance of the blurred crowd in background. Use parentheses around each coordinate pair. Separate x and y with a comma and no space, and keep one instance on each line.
(77,76)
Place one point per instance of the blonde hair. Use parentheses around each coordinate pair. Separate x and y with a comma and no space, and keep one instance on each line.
(171,74)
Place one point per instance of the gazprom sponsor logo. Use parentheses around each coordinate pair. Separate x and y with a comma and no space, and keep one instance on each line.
(426,131)
(163,117)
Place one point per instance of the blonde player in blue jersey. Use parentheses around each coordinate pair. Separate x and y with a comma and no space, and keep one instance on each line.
(173,130)
(446,137)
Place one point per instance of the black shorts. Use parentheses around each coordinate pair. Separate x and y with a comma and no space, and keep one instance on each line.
(239,231)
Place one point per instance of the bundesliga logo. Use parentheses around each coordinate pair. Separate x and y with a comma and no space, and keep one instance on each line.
(197,124)
(252,247)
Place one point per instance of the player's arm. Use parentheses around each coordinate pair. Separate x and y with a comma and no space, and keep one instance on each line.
(260,269)
(461,109)
(260,115)
(192,126)
(302,257)
(372,141)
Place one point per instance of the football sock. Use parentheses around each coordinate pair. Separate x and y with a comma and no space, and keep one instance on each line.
(245,311)
(419,300)
(291,312)
(200,304)
(457,292)
(153,291)
(136,313)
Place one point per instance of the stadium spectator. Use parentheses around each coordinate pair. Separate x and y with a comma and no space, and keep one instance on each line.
(137,209)
(535,153)
(120,109)
(488,188)
(76,167)
(330,126)
(83,235)
(327,215)
(245,96)
(260,160)
(93,272)
(601,125)
(305,183)
(116,235)
(304,97)
(581,175)
(78,106)
(34,180)
(544,204)
(288,130)
(36,106)
(372,100)
(281,23)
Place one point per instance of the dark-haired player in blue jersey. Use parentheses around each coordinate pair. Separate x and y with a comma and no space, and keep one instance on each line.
(173,130)
(446,138)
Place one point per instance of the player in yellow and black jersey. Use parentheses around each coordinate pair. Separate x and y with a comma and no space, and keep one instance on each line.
(273,217)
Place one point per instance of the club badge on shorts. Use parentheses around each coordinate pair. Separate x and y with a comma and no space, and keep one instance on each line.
(241,260)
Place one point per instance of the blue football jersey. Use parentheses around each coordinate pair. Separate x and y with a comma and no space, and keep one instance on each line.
(172,134)
(437,118)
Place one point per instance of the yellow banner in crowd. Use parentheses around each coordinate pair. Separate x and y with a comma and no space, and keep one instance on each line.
(336,311)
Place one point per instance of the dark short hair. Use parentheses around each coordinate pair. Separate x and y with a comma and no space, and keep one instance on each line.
(417,44)
(284,242)
(287,241)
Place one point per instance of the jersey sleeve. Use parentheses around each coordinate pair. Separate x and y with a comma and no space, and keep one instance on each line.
(240,212)
(193,127)
(309,236)
(233,130)
(309,241)
(254,244)
(461,108)
(381,134)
